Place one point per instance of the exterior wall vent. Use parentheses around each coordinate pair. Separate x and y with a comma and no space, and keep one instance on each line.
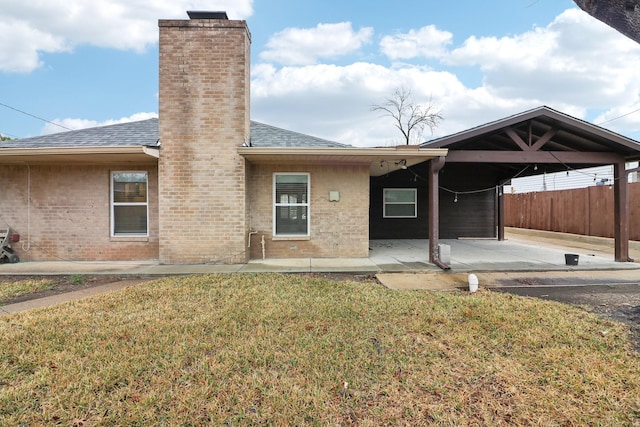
(195,14)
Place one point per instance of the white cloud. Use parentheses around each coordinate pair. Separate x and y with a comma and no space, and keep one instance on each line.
(77,124)
(334,102)
(575,64)
(36,26)
(303,46)
(16,35)
(427,42)
(575,59)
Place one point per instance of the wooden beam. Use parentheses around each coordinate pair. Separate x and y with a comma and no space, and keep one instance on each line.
(516,138)
(621,212)
(544,139)
(541,157)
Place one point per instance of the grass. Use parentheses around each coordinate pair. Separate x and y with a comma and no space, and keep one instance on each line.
(76,279)
(9,290)
(274,349)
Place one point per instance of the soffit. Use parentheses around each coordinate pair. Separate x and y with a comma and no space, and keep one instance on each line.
(380,160)
(79,155)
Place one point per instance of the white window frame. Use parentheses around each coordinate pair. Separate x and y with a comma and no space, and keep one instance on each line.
(113,204)
(414,203)
(306,204)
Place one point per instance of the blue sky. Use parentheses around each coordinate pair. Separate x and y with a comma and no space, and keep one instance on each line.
(317,67)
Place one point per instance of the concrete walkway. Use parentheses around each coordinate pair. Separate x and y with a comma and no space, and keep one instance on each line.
(523,250)
(526,257)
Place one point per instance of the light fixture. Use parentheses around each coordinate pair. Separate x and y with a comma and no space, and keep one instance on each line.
(402,163)
(535,167)
(455,199)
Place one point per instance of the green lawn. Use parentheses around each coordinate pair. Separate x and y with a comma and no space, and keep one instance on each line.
(271,349)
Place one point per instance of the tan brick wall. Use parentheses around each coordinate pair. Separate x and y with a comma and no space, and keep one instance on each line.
(338,229)
(68,217)
(204,116)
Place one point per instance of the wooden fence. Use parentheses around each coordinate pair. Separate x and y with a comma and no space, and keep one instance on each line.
(587,211)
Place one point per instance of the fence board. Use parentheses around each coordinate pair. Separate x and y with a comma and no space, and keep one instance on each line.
(587,211)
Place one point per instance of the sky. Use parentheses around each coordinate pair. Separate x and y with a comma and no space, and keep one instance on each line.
(319,66)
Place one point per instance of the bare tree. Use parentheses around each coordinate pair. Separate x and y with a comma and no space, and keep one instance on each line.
(410,118)
(622,15)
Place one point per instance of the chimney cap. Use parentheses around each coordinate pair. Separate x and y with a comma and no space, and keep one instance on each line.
(200,14)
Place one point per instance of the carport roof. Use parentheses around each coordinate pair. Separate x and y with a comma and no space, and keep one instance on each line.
(542,129)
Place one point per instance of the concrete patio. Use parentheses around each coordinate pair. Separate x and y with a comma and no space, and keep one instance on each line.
(523,250)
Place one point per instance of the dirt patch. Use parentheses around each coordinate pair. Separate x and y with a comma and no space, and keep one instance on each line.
(620,302)
(62,284)
(70,283)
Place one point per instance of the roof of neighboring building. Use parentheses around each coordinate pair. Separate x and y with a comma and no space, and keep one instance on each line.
(145,133)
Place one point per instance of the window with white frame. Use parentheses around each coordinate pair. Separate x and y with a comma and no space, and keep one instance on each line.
(291,204)
(129,204)
(400,203)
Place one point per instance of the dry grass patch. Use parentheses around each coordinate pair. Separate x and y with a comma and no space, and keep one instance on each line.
(299,350)
(10,290)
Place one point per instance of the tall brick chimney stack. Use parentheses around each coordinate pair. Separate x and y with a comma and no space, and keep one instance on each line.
(204,116)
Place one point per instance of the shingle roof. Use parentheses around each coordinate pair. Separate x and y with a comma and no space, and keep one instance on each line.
(145,133)
(270,136)
(569,134)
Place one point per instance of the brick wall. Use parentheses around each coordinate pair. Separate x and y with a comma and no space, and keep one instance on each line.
(338,229)
(68,217)
(204,116)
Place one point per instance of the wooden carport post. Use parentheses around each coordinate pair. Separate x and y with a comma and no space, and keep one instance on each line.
(500,212)
(621,211)
(435,165)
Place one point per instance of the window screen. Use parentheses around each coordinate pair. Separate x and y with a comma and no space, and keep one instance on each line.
(291,204)
(129,203)
(400,203)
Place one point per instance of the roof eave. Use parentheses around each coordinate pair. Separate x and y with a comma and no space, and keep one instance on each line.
(372,157)
(533,114)
(80,155)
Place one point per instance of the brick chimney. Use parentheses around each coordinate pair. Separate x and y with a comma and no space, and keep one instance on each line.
(203,117)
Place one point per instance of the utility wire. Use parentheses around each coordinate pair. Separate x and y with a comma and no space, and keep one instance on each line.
(34,116)
(619,117)
(9,135)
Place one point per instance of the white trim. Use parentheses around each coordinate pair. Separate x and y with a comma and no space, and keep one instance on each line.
(306,204)
(414,203)
(112,205)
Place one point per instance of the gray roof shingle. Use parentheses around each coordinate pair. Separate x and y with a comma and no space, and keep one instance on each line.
(145,133)
(270,136)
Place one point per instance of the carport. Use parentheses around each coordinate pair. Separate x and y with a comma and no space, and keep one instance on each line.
(523,145)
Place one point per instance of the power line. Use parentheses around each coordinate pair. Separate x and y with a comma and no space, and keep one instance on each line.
(34,116)
(619,117)
(8,135)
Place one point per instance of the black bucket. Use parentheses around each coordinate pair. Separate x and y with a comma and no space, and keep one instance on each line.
(571,259)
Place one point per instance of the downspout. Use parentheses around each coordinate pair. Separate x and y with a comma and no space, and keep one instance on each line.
(441,264)
(435,165)
(26,247)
